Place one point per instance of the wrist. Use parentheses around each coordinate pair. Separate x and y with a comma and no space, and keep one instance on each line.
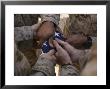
(69,63)
(88,43)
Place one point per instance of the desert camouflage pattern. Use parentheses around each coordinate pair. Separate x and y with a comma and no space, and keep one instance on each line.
(55,18)
(43,67)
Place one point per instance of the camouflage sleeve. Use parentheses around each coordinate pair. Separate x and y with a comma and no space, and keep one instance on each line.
(28,32)
(68,70)
(43,67)
(55,18)
(21,64)
(23,33)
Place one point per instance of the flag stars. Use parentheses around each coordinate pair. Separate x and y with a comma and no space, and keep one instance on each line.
(56,34)
(45,44)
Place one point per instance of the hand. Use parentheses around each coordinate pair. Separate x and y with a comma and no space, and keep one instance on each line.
(45,31)
(50,56)
(77,40)
(62,56)
(75,54)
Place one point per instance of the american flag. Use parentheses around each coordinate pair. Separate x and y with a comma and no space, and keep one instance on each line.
(46,47)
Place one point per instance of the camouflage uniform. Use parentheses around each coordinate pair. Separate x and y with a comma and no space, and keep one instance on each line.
(43,66)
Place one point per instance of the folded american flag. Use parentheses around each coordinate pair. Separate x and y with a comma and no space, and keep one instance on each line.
(46,47)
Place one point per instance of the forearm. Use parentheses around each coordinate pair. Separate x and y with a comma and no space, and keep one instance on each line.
(23,33)
(43,67)
(28,32)
(21,65)
(68,70)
